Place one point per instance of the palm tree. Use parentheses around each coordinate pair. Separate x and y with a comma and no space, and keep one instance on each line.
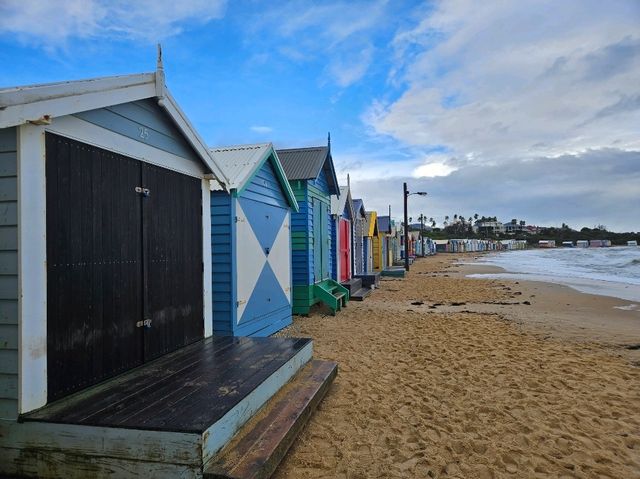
(476,216)
(446,221)
(455,218)
(433,222)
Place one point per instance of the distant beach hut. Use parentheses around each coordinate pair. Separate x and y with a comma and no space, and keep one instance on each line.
(342,235)
(251,242)
(582,243)
(547,243)
(370,247)
(359,234)
(384,230)
(313,180)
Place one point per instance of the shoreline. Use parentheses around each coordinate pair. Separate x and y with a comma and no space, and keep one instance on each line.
(444,376)
(594,286)
(567,313)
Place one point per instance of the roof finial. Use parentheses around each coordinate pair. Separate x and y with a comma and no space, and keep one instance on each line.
(159,74)
(348,181)
(329,140)
(159,62)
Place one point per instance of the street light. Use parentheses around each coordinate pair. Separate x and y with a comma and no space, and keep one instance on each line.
(406,195)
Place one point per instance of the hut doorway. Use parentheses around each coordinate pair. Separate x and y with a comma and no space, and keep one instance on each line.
(124,263)
(321,240)
(345,250)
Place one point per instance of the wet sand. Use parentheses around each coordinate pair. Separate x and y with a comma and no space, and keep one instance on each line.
(464,385)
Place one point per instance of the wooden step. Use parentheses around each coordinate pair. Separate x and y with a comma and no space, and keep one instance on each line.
(353,285)
(360,294)
(262,443)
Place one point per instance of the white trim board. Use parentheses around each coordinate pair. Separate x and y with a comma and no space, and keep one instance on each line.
(207,273)
(58,107)
(32,269)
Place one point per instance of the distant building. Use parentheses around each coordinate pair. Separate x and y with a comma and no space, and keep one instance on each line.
(514,226)
(491,226)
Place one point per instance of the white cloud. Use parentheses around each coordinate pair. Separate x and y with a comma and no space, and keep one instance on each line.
(504,80)
(53,23)
(431,170)
(576,189)
(261,129)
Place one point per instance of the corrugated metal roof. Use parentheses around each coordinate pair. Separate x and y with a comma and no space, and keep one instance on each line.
(303,163)
(239,162)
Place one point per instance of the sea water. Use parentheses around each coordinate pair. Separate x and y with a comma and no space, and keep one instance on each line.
(604,271)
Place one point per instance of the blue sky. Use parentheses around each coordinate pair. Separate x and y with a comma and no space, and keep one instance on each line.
(517,109)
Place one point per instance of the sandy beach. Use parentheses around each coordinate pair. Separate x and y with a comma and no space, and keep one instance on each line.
(445,376)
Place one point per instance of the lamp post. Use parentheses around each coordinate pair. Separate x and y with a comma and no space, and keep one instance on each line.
(406,195)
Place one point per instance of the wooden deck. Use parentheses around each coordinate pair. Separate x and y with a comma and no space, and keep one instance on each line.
(186,391)
(167,418)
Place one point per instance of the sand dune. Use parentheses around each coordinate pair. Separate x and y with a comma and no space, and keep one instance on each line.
(425,393)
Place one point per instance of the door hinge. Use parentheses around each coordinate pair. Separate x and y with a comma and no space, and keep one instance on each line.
(146,323)
(242,301)
(143,191)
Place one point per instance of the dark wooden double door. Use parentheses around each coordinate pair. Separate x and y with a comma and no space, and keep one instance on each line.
(124,263)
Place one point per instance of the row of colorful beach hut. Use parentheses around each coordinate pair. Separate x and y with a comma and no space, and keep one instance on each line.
(125,239)
(478,245)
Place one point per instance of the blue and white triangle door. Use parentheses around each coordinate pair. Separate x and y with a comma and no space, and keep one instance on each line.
(250,261)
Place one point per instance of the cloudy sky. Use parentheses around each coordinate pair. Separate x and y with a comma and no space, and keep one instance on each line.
(520,109)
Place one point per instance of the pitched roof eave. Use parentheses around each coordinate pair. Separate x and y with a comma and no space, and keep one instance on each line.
(45,102)
(169,104)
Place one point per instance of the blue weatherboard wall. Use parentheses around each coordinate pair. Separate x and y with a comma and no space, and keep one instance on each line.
(305,231)
(268,309)
(322,184)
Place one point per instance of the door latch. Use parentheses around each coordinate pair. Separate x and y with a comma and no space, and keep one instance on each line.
(143,191)
(146,324)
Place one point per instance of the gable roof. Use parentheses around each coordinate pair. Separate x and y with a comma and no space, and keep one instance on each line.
(358,205)
(240,164)
(372,223)
(339,203)
(42,103)
(307,163)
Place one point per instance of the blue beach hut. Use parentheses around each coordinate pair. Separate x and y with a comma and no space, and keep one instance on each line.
(251,242)
(312,177)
